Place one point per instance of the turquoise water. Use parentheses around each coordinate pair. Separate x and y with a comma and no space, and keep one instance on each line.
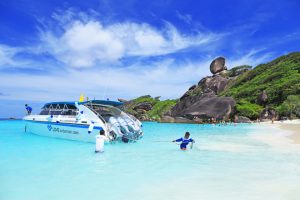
(227,162)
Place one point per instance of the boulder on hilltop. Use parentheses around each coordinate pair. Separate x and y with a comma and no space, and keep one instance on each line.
(217,65)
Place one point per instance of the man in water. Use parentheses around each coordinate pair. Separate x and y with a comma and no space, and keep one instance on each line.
(184,141)
(29,109)
(100,139)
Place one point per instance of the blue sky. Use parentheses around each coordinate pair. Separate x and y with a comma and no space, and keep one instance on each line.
(55,50)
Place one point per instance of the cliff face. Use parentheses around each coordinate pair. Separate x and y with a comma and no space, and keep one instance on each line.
(269,91)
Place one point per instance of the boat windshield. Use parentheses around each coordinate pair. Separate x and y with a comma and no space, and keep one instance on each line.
(105,111)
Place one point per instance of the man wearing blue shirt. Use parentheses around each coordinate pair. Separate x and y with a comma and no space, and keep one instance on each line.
(28,108)
(184,141)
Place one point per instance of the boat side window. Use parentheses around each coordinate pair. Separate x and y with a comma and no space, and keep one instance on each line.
(44,112)
(55,112)
(59,109)
(65,112)
(69,112)
(72,107)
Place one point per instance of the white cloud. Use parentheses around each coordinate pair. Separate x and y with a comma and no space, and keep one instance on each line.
(164,78)
(7,54)
(159,79)
(86,43)
(250,58)
(96,47)
(78,40)
(184,17)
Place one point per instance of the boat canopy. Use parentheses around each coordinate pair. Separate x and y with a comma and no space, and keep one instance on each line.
(103,102)
(69,108)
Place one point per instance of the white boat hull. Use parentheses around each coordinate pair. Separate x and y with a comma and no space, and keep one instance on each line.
(62,130)
(83,121)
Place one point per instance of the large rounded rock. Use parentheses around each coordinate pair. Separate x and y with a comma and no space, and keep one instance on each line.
(213,84)
(242,119)
(262,98)
(183,104)
(206,106)
(217,65)
(268,114)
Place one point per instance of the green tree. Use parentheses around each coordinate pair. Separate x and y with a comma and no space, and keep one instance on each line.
(290,106)
(247,109)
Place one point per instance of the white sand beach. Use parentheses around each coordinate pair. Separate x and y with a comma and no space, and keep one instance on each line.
(291,126)
(294,127)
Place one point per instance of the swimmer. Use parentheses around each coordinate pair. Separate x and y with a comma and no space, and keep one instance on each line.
(185,141)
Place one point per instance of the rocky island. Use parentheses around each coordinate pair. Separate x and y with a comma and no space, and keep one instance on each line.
(268,91)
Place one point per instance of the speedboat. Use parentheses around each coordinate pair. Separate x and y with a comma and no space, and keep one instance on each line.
(82,121)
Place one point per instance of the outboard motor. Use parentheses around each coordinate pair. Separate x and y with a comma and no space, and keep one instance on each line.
(131,127)
(114,127)
(124,128)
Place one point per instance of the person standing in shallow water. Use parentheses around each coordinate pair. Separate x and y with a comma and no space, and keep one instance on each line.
(100,139)
(184,141)
(28,109)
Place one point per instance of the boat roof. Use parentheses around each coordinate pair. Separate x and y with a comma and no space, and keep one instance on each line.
(103,102)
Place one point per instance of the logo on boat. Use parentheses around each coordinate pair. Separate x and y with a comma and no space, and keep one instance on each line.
(49,127)
(59,130)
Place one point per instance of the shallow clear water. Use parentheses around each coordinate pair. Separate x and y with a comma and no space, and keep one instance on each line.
(227,162)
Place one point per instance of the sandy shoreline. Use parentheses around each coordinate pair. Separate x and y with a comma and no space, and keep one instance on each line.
(295,129)
(292,126)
